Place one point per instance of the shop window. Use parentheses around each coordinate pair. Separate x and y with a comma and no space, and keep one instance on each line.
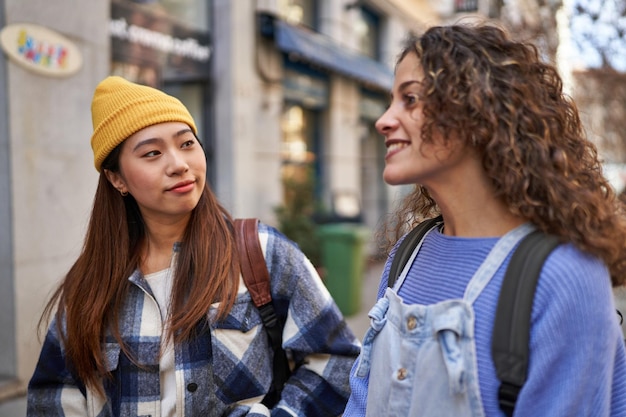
(168,48)
(296,148)
(192,95)
(299,12)
(375,195)
(300,178)
(368,32)
(463,6)
(306,97)
(195,13)
(300,149)
(373,188)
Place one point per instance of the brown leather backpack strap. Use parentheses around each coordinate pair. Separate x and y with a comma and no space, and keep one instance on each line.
(252,261)
(257,279)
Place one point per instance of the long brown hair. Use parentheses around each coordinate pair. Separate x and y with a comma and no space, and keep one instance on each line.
(92,295)
(496,95)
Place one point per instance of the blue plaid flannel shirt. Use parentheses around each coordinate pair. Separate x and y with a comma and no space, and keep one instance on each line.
(226,370)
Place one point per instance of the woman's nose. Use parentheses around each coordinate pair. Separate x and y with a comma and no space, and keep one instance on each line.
(386,122)
(177,163)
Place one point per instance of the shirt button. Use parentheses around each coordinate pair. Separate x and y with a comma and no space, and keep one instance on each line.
(192,387)
(402,374)
(411,323)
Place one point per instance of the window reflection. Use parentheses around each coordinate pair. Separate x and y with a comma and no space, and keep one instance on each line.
(367,30)
(298,12)
(294,148)
(195,13)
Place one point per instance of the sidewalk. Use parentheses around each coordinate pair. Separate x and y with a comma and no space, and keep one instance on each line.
(13,408)
(13,401)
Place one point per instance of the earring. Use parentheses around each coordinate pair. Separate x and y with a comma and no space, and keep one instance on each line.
(124,193)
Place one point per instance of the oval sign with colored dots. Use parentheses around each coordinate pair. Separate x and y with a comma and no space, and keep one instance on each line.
(40,49)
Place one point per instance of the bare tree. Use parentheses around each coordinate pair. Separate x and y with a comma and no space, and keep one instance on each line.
(598,44)
(532,20)
(601,97)
(598,33)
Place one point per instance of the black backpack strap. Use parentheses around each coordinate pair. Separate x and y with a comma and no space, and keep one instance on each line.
(404,251)
(257,279)
(511,330)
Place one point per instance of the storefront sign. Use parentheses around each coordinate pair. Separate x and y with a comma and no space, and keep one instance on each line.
(150,41)
(40,49)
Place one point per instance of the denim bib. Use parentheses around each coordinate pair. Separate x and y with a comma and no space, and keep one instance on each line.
(421,359)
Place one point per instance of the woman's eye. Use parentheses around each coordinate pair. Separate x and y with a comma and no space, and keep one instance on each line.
(410,99)
(151,153)
(188,143)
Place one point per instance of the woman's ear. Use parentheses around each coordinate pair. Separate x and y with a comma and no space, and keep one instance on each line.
(116,181)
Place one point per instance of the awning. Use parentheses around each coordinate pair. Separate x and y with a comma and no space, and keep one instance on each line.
(315,48)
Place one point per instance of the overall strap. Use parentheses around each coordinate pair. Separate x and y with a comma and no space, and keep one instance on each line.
(257,279)
(511,331)
(406,248)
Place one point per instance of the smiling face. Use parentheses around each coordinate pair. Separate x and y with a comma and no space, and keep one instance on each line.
(163,167)
(409,160)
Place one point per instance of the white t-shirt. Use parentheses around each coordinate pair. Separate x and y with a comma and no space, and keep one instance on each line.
(161,285)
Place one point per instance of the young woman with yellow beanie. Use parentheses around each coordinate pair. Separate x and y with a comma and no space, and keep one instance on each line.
(153,318)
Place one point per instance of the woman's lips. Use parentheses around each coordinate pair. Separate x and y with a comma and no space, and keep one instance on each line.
(183,187)
(393,147)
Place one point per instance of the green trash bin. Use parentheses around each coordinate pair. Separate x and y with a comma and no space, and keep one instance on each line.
(343,258)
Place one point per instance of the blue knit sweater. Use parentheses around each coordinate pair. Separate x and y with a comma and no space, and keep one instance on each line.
(577,356)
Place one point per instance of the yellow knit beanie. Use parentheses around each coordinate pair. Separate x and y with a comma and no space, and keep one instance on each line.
(120,108)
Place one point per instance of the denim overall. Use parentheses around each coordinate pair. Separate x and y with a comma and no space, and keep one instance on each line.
(422,358)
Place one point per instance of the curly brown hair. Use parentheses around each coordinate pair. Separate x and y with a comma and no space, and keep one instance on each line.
(495,94)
